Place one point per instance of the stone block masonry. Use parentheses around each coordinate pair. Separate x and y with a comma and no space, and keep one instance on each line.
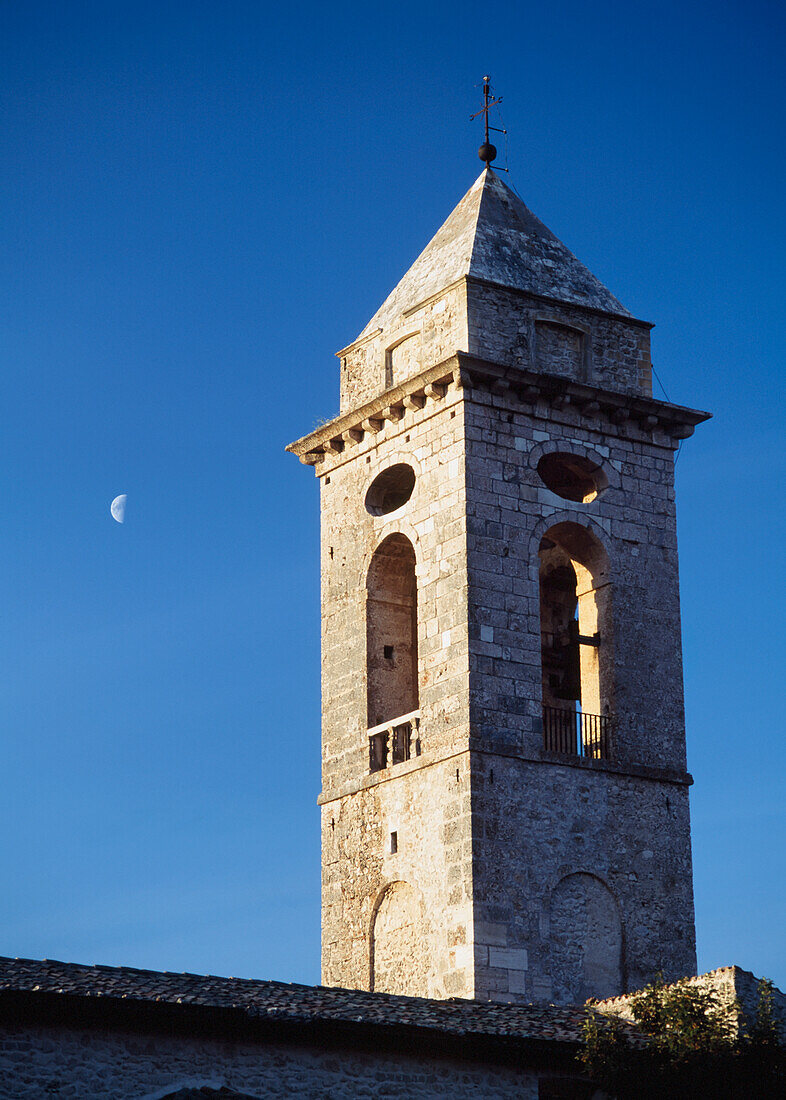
(68,1062)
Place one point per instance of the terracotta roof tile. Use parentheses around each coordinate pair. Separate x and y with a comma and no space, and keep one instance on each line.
(258,999)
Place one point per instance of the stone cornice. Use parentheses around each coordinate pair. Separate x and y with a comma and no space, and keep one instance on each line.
(518,386)
(528,386)
(333,437)
(481,747)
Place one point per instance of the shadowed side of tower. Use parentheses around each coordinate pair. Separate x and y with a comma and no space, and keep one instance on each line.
(505,795)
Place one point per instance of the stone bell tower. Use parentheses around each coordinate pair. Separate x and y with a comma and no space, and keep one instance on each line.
(505,794)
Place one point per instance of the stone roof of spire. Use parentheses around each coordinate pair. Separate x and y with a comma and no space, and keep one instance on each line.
(492,235)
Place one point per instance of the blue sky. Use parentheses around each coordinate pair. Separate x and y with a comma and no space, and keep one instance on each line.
(202,203)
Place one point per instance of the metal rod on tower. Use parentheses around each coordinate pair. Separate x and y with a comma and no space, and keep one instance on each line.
(487,151)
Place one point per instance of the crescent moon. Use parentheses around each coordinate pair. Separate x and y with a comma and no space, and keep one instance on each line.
(118,508)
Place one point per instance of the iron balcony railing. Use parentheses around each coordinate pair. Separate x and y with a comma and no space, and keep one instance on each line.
(575,733)
(394,742)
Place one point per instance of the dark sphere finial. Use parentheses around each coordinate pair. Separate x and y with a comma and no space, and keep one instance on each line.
(487,152)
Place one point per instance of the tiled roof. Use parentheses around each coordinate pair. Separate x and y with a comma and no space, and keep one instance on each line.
(290,1003)
(492,235)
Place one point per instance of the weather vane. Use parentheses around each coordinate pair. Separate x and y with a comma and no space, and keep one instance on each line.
(487,152)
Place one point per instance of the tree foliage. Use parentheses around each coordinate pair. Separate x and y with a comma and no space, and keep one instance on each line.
(692,1046)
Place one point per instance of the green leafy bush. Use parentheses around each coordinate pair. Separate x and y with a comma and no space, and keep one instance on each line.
(691,1046)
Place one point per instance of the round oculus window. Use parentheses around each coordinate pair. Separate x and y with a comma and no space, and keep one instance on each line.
(572,477)
(390,490)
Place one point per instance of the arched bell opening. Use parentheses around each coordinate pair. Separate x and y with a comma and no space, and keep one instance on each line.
(576,641)
(392,652)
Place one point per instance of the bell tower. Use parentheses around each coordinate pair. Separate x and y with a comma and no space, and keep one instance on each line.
(505,795)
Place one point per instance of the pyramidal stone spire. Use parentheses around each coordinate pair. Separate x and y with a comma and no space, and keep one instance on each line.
(492,235)
(496,284)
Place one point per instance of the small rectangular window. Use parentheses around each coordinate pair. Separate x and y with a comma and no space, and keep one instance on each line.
(388,651)
(402,736)
(393,843)
(378,752)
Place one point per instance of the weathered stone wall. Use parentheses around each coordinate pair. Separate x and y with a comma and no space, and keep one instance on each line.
(539,823)
(486,859)
(585,934)
(421,337)
(398,929)
(560,349)
(511,327)
(428,807)
(431,440)
(744,986)
(424,800)
(63,1062)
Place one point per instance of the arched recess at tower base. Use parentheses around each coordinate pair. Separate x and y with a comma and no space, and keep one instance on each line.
(398,952)
(587,949)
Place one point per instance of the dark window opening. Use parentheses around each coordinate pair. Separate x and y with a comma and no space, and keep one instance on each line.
(402,741)
(559,633)
(572,477)
(378,752)
(394,745)
(391,632)
(390,490)
(393,843)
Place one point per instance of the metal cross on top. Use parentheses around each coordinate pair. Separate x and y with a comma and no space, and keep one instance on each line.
(487,152)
